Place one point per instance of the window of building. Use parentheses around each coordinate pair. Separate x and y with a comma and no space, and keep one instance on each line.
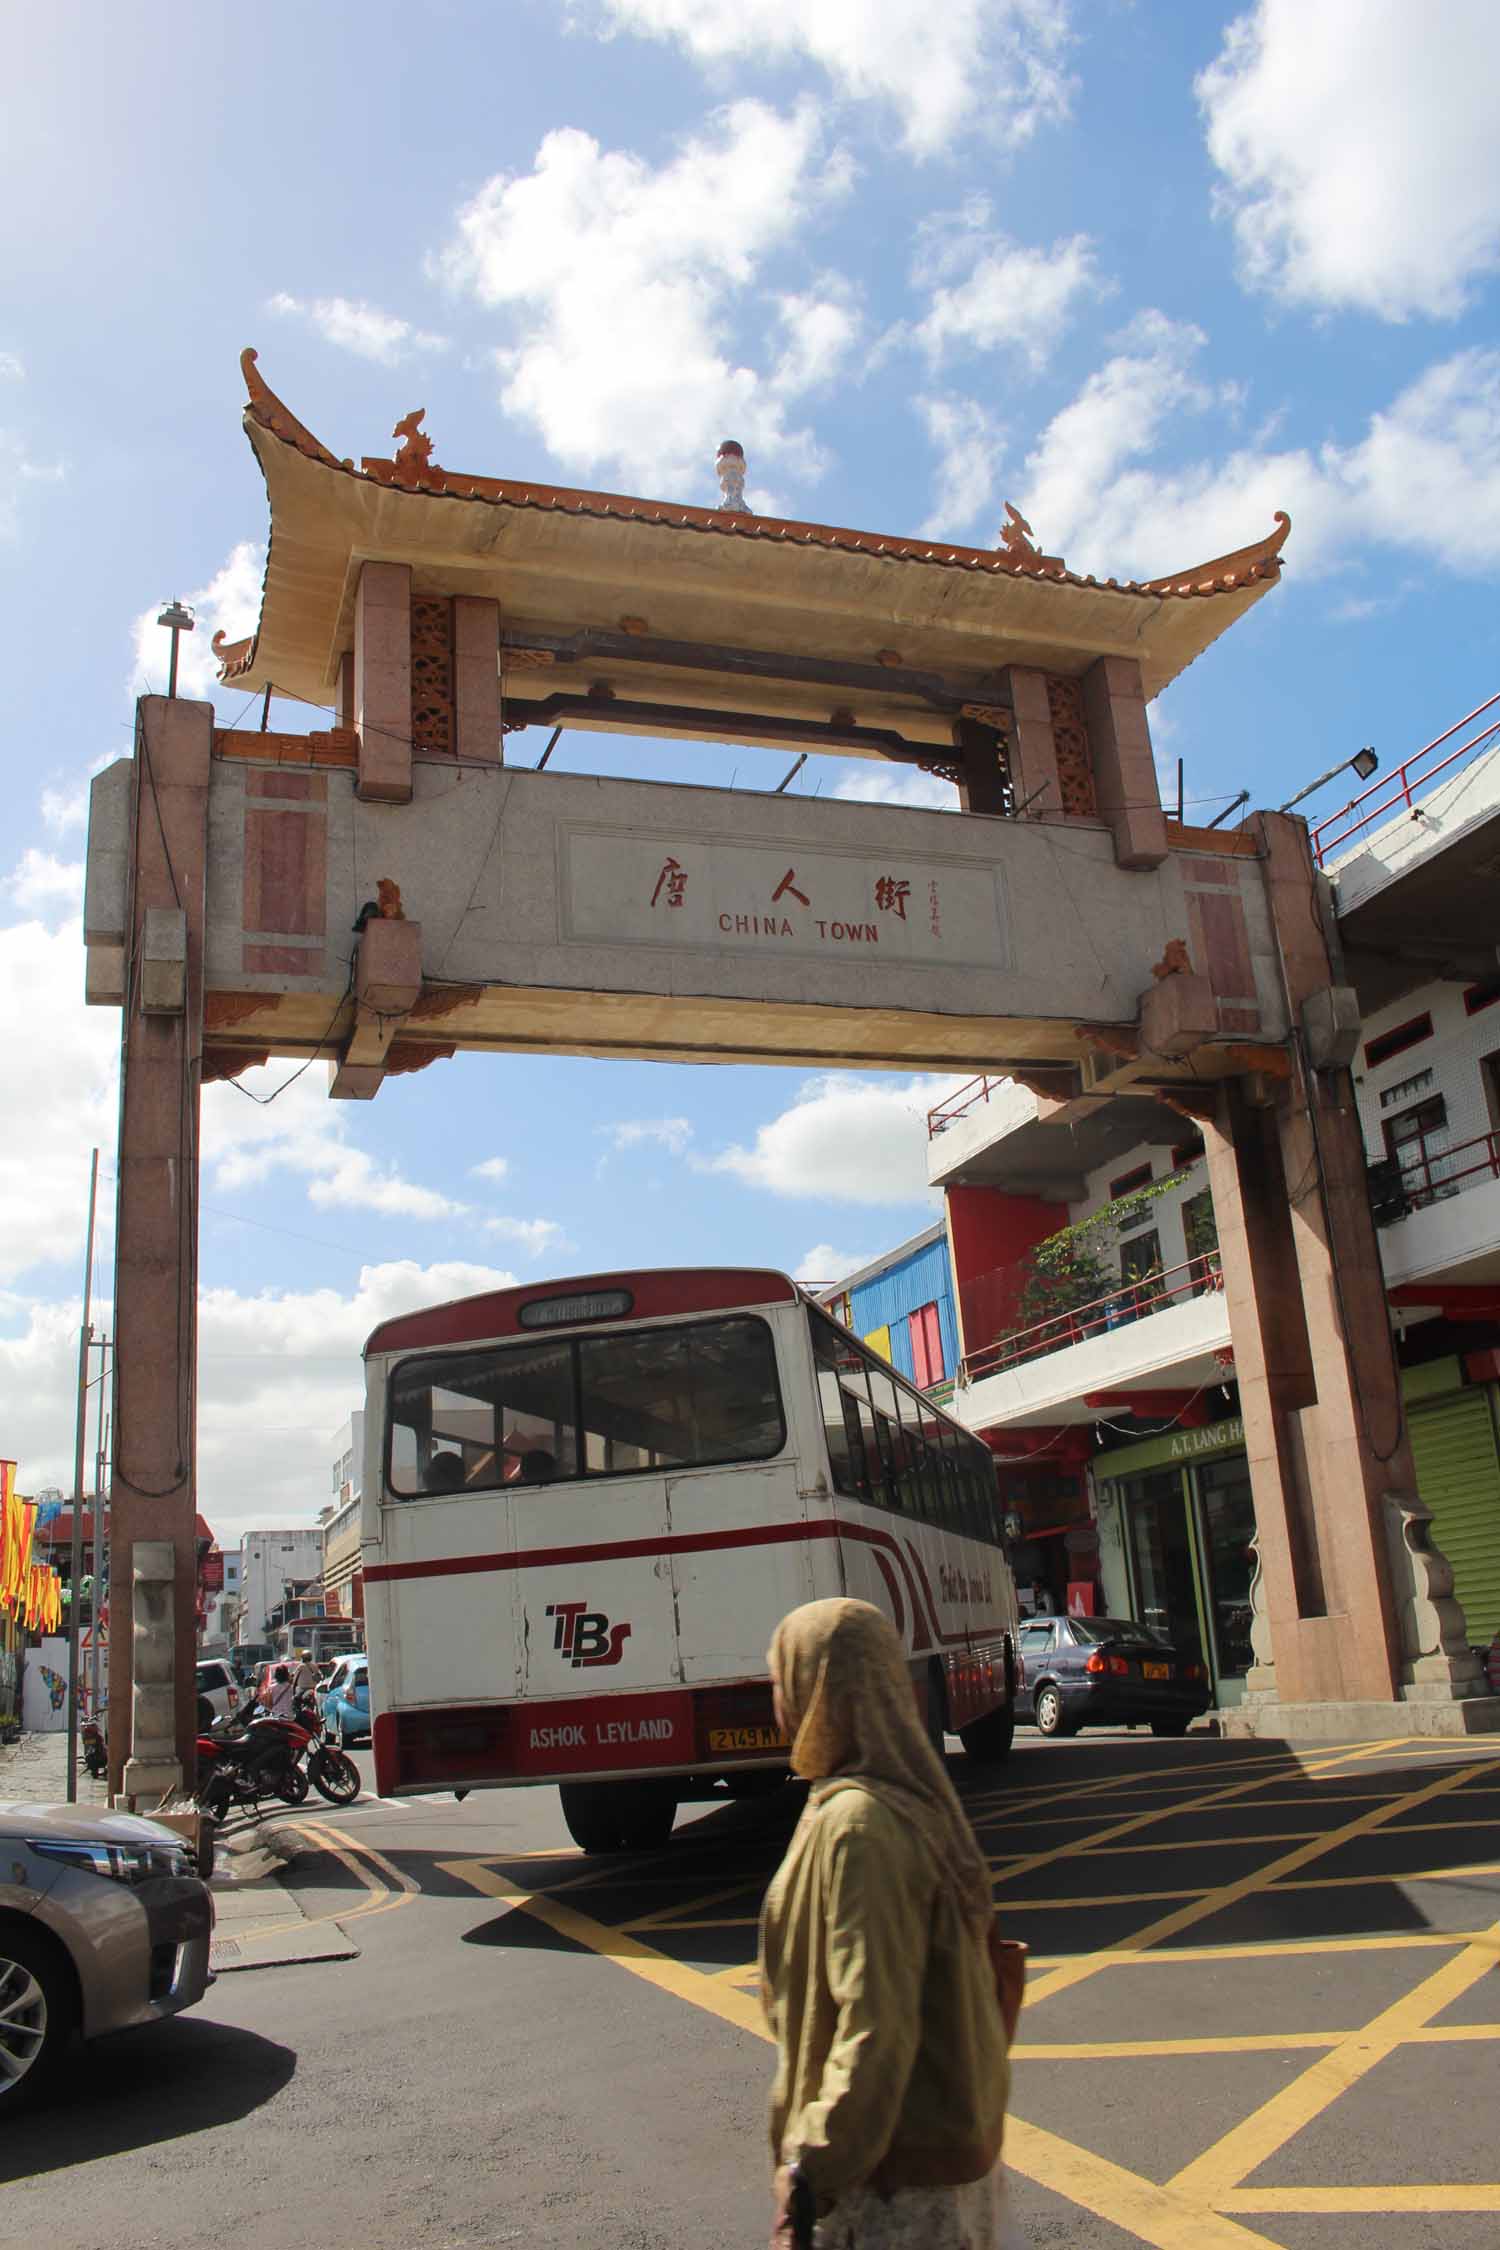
(1480,996)
(926,1347)
(1397,1040)
(1406,1089)
(1418,1140)
(1128,1182)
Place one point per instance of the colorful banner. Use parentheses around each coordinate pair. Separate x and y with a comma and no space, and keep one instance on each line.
(17,1524)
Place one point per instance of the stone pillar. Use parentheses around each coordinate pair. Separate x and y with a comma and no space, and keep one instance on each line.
(1124,768)
(382,682)
(476,678)
(152,1497)
(1352,1595)
(1033,757)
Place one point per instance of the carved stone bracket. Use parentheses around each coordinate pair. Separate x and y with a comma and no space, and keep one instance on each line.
(1437,1663)
(229,1062)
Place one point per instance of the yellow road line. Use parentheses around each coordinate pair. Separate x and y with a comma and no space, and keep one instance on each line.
(685,1918)
(1236,2043)
(1229,1894)
(1346,2201)
(1251,2143)
(1157,2215)
(1273,1949)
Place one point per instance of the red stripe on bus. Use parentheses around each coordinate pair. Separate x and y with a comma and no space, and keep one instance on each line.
(686,1543)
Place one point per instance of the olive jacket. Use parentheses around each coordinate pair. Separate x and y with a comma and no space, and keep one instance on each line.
(893,2054)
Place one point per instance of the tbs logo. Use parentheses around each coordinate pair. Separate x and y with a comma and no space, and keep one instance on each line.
(585,1636)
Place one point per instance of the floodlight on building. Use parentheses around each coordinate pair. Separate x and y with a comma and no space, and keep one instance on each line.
(1363,762)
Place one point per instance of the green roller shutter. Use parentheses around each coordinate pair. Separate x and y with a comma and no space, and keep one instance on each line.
(1458,1475)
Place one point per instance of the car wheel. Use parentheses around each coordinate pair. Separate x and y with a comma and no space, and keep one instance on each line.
(38,2015)
(987,1741)
(1170,1727)
(1050,1718)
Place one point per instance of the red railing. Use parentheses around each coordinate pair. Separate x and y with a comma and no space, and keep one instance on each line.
(1403,786)
(1429,1174)
(1134,1300)
(977,1090)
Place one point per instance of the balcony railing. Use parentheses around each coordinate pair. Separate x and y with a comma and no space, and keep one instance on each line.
(977,1090)
(1133,1300)
(1430,1173)
(1406,784)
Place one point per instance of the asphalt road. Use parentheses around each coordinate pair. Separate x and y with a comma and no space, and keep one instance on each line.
(1264,2009)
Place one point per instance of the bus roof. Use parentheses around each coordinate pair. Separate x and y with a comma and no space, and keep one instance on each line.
(656,1294)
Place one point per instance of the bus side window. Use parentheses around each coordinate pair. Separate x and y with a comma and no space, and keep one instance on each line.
(986,1489)
(845,1465)
(860,1422)
(926,1474)
(960,1514)
(890,1442)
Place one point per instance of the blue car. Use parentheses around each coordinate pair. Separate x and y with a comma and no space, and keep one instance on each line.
(345,1701)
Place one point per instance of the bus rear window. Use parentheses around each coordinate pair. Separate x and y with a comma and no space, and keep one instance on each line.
(684,1396)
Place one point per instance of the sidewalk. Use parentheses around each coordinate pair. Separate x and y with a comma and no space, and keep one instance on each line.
(258,1922)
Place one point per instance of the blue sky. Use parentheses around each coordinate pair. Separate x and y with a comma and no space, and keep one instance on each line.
(1150,271)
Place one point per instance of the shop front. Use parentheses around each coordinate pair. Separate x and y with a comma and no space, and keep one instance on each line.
(1176,1526)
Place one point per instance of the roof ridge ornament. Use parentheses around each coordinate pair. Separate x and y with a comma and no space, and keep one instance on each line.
(730,464)
(412,466)
(1018,541)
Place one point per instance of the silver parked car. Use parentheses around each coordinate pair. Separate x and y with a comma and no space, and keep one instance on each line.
(103,1924)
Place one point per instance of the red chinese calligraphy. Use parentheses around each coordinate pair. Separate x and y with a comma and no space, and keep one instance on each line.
(789,883)
(891,896)
(672,880)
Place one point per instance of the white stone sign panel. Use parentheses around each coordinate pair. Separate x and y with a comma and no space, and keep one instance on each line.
(771,898)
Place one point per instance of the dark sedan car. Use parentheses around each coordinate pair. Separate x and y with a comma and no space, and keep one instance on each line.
(1105,1672)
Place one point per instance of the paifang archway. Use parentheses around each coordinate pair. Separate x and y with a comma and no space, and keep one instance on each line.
(1066,931)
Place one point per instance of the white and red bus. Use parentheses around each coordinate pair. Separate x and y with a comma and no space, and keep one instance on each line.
(635,1476)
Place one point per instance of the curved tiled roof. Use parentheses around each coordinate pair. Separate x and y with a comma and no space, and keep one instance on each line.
(413,471)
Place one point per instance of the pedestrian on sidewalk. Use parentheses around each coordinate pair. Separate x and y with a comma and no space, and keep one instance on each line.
(877,1973)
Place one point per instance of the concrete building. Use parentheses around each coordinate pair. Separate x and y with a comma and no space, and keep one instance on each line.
(903,1306)
(343,1573)
(1097,1353)
(271,1564)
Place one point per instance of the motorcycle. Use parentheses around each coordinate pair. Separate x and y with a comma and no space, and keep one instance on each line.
(260,1760)
(331,1771)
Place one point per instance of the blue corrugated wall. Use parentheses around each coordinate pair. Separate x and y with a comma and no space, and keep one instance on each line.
(891,1297)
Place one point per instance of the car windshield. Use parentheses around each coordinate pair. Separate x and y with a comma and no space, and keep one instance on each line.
(1120,1631)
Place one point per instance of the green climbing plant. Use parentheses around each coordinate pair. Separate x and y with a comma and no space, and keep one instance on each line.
(1072,1267)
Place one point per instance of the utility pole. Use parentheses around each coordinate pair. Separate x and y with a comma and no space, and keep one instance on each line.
(85,1338)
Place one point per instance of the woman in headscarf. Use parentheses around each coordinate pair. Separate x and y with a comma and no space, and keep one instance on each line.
(889,2101)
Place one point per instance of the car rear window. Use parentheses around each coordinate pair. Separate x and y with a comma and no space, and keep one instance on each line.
(1122,1632)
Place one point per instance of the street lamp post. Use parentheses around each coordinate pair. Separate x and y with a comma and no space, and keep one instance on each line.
(1363,761)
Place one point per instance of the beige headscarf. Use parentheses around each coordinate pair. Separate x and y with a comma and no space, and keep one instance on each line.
(847,1694)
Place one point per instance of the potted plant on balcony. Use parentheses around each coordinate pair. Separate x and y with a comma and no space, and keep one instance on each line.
(1073,1269)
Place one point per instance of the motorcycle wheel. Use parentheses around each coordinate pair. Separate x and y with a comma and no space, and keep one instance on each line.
(335,1776)
(292,1786)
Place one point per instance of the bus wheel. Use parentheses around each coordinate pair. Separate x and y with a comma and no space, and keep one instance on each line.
(615,1816)
(988,1740)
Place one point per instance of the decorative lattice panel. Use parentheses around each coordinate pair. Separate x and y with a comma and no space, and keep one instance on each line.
(1070,740)
(432,676)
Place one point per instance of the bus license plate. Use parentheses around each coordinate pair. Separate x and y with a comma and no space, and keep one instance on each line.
(745,1738)
(1156,1671)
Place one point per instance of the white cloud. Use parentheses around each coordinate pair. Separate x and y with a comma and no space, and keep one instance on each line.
(899,785)
(823,1264)
(671,1133)
(845,1138)
(302,1132)
(11,369)
(969,444)
(622,277)
(18,469)
(45,885)
(1357,144)
(63,809)
(277,1373)
(819,330)
(941,69)
(356,327)
(229,603)
(493,1168)
(534,1235)
(991,294)
(62,1102)
(1424,477)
